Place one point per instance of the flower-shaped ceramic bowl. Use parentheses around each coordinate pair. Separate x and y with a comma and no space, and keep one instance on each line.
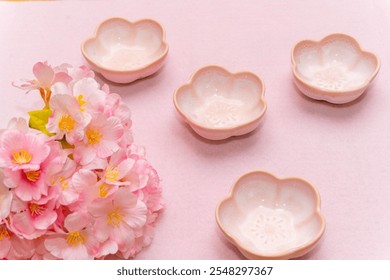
(218,104)
(124,51)
(334,69)
(270,218)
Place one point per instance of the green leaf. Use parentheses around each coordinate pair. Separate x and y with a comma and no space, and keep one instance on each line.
(39,119)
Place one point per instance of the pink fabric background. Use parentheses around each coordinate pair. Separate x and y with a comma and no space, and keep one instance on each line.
(342,150)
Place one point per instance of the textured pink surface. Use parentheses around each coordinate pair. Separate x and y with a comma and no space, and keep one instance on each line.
(342,150)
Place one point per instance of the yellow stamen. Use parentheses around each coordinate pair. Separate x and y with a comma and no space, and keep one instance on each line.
(103,190)
(112,173)
(115,217)
(4,233)
(22,156)
(64,184)
(93,136)
(36,209)
(75,238)
(66,123)
(32,176)
(82,102)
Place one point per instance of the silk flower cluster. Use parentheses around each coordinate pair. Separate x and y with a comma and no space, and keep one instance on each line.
(73,183)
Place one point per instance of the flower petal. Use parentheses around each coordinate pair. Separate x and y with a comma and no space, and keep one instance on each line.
(83,179)
(76,221)
(107,148)
(55,246)
(45,220)
(5,246)
(62,77)
(124,167)
(84,154)
(76,253)
(21,224)
(108,248)
(135,217)
(44,74)
(125,198)
(113,129)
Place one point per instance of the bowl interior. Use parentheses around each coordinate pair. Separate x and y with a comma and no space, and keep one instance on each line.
(269,217)
(336,64)
(121,45)
(218,99)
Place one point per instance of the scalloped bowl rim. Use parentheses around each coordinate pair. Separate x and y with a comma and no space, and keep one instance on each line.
(330,91)
(284,254)
(191,121)
(132,23)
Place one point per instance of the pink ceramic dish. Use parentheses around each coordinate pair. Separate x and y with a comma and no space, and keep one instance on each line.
(270,218)
(218,104)
(124,51)
(334,69)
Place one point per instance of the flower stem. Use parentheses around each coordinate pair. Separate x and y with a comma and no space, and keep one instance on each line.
(47,99)
(45,94)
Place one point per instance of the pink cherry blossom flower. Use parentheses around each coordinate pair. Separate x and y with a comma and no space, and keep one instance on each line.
(77,243)
(117,218)
(67,120)
(31,184)
(77,73)
(117,168)
(101,139)
(34,220)
(45,77)
(22,151)
(61,182)
(89,96)
(140,174)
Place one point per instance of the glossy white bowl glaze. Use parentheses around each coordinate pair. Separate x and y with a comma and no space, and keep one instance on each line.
(334,69)
(218,104)
(124,51)
(270,218)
